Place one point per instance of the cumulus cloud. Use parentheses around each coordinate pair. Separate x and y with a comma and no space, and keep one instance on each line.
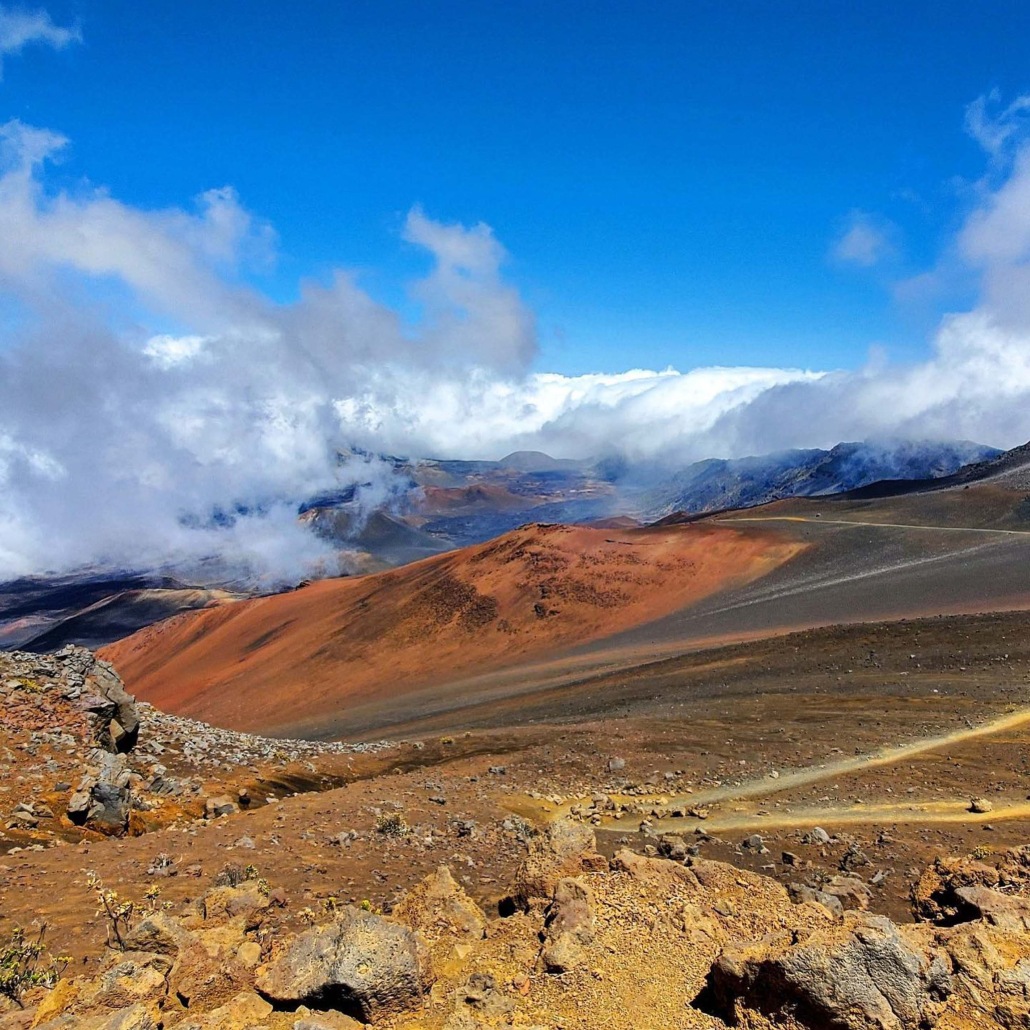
(155,408)
(21,28)
(865,241)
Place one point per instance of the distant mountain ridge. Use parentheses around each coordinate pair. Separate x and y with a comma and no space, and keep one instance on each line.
(443,504)
(716,484)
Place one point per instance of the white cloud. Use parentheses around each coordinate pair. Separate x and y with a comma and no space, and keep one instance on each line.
(20,28)
(865,241)
(995,131)
(120,441)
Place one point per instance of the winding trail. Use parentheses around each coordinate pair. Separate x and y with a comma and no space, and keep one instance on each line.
(860,763)
(955,812)
(874,525)
(908,811)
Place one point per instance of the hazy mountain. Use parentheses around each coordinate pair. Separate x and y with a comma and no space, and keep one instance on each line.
(439,505)
(739,483)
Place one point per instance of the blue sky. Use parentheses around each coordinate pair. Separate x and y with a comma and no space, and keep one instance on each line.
(669,179)
(238,240)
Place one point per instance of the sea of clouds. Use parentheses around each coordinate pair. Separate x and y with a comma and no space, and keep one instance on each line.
(120,437)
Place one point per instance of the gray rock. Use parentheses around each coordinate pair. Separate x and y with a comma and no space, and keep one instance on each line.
(103,800)
(1010,912)
(852,892)
(871,978)
(800,894)
(486,998)
(672,847)
(360,964)
(221,805)
(755,843)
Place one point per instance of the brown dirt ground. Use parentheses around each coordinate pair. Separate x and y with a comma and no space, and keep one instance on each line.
(821,709)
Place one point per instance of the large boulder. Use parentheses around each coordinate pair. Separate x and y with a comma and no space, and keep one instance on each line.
(360,964)
(103,799)
(564,848)
(865,975)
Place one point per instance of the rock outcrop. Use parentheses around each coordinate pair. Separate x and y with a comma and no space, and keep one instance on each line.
(564,848)
(646,942)
(951,890)
(866,975)
(360,964)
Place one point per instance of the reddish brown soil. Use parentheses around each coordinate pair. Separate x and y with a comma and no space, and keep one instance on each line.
(476,497)
(275,661)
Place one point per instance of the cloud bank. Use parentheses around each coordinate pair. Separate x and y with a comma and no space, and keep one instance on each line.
(155,407)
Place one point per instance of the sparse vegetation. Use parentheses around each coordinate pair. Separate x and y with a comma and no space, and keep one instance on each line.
(26,963)
(233,874)
(120,914)
(391,824)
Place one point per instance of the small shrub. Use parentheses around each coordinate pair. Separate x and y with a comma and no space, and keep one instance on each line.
(232,875)
(25,963)
(391,824)
(120,914)
(117,912)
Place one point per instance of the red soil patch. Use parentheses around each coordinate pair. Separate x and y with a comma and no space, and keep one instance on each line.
(275,661)
(478,496)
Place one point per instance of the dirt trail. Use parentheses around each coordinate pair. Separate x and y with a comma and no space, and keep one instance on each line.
(874,525)
(950,810)
(860,763)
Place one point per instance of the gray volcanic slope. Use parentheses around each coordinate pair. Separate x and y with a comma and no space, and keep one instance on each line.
(864,564)
(857,574)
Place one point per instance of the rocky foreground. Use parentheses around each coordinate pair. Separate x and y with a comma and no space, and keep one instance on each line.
(225,903)
(585,942)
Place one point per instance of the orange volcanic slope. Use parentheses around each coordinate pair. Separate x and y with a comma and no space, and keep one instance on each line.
(276,661)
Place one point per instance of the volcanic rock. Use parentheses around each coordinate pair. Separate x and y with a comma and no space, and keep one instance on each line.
(866,976)
(565,848)
(360,964)
(569,926)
